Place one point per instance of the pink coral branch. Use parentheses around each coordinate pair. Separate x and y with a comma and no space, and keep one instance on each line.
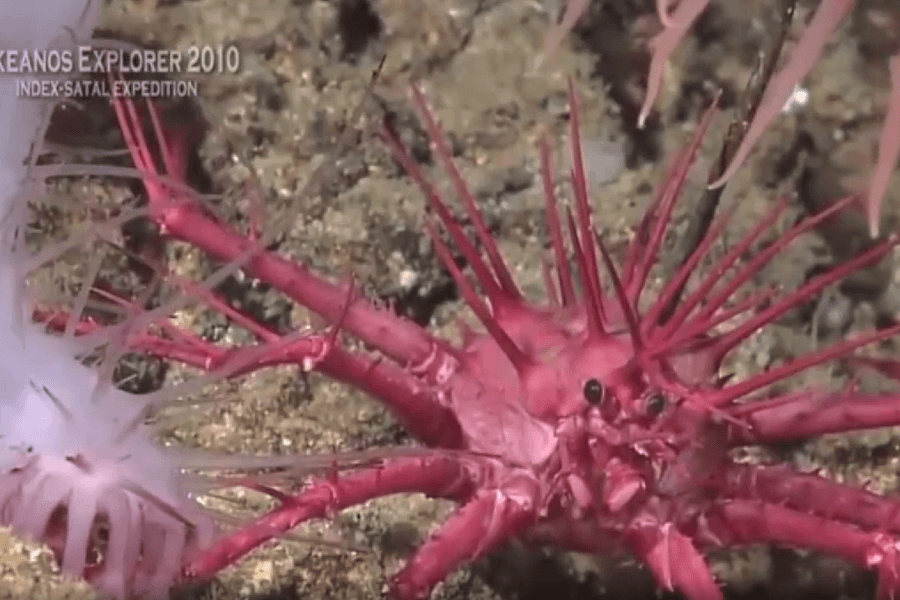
(888,152)
(663,45)
(828,16)
(574,10)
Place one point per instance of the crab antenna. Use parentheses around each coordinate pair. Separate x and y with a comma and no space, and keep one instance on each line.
(582,202)
(566,287)
(498,297)
(521,361)
(445,155)
(593,305)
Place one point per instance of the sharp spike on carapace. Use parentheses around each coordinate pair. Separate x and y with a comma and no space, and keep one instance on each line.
(756,263)
(521,361)
(718,270)
(734,337)
(666,303)
(798,365)
(593,304)
(499,298)
(445,155)
(628,310)
(672,192)
(564,273)
(553,294)
(582,201)
(756,302)
(642,232)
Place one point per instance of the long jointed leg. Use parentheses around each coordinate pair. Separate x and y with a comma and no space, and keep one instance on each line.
(741,522)
(179,214)
(801,416)
(436,477)
(476,529)
(402,392)
(813,494)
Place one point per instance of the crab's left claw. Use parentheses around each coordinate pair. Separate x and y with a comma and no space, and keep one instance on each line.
(675,562)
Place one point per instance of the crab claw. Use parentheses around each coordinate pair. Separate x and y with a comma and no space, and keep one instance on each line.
(623,482)
(675,562)
(885,558)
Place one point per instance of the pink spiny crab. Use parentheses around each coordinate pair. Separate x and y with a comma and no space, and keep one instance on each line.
(598,420)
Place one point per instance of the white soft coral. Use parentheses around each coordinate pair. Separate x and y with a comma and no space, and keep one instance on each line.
(76,475)
(107,499)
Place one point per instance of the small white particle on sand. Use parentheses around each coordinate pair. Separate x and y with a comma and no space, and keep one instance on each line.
(408,278)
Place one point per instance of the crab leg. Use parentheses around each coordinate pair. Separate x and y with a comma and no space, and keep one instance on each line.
(809,415)
(437,477)
(398,390)
(476,529)
(182,218)
(741,522)
(410,402)
(812,494)
(671,556)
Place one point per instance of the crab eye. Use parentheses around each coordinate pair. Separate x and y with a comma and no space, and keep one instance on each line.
(593,392)
(655,405)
